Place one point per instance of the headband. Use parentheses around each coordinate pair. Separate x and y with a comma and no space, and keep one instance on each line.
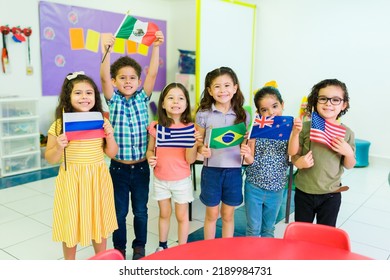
(74,75)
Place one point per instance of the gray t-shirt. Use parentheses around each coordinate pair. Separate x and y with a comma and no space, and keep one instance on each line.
(227,157)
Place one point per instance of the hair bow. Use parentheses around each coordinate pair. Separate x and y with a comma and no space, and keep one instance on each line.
(74,75)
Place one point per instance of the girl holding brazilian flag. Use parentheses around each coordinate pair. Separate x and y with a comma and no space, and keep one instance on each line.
(221,107)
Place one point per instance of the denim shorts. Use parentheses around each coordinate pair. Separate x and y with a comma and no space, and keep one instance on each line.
(221,184)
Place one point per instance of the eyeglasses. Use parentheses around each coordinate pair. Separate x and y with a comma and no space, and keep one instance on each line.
(333,100)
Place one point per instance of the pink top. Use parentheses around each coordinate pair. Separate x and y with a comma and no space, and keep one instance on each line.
(171,162)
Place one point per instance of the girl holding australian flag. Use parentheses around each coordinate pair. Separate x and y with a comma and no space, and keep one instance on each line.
(266,154)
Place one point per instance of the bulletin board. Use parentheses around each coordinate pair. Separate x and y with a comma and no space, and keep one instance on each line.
(225,37)
(71,40)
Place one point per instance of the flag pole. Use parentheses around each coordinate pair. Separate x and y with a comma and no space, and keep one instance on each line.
(208,145)
(155,142)
(289,190)
(249,135)
(116,33)
(63,125)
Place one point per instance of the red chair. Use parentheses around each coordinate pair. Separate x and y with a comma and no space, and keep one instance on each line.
(320,234)
(110,254)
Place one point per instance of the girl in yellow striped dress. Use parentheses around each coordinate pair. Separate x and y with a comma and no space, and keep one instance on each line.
(84,208)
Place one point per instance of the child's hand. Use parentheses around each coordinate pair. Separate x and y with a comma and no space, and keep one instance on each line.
(108,130)
(297,127)
(305,161)
(159,39)
(245,150)
(109,43)
(62,141)
(198,137)
(342,147)
(152,161)
(205,151)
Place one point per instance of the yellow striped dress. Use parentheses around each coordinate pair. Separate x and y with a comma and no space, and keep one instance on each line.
(84,208)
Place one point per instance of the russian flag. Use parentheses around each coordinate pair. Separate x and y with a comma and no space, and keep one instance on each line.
(85,125)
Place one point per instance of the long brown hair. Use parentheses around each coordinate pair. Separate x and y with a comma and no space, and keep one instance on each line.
(64,100)
(237,101)
(163,118)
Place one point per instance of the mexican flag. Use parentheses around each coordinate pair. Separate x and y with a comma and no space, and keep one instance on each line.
(138,31)
(228,136)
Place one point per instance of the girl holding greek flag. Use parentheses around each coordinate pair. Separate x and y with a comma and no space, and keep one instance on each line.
(172,147)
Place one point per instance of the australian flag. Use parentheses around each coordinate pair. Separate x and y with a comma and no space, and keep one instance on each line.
(175,137)
(323,131)
(277,127)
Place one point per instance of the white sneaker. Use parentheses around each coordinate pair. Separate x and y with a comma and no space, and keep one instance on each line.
(159,249)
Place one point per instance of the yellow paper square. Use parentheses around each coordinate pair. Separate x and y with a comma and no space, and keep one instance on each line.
(119,46)
(76,38)
(143,49)
(92,41)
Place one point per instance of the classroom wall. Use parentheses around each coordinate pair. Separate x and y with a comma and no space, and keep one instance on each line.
(180,17)
(298,43)
(301,42)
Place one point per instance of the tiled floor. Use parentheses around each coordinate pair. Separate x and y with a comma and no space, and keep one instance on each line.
(26,217)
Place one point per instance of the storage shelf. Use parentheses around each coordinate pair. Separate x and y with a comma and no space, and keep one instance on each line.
(19,136)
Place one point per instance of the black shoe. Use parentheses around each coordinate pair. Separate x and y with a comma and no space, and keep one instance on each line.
(138,252)
(123,252)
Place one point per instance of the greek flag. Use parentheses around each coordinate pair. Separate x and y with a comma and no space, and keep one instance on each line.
(175,137)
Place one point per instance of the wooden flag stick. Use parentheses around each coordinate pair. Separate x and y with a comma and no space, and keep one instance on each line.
(289,190)
(116,33)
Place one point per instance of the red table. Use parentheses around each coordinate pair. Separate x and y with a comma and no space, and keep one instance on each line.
(253,248)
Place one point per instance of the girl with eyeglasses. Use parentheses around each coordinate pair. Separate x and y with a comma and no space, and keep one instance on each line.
(320,167)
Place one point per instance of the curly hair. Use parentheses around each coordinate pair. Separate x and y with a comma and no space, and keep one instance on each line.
(237,101)
(125,61)
(313,96)
(163,118)
(64,100)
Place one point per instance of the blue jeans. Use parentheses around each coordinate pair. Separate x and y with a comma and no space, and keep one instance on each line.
(133,179)
(262,207)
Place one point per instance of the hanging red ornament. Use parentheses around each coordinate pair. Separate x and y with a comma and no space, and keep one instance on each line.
(17,34)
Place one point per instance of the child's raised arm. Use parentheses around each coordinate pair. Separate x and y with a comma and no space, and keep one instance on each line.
(105,76)
(154,64)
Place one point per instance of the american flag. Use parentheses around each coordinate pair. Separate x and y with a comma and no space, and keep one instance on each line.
(323,131)
(175,137)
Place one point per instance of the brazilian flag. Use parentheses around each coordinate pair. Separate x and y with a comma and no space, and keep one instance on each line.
(227,136)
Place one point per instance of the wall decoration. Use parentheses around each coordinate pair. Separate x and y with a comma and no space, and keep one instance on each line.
(4,53)
(71,40)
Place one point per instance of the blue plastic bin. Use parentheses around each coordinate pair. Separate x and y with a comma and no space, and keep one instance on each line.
(362,152)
